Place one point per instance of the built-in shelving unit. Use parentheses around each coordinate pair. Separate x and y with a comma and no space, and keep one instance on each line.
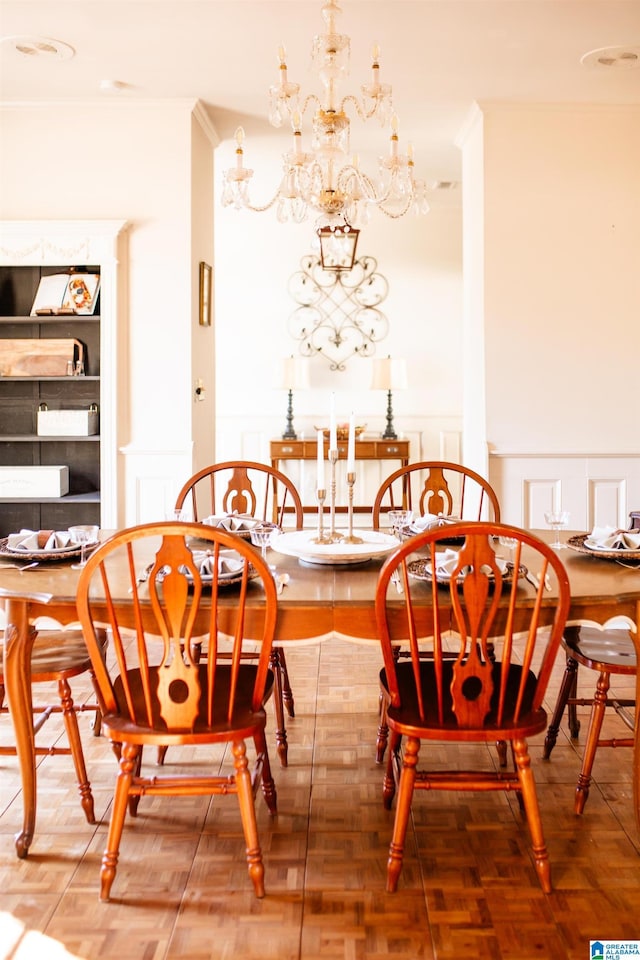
(21,396)
(30,250)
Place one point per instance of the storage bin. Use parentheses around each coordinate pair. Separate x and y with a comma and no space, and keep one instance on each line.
(67,423)
(38,358)
(18,483)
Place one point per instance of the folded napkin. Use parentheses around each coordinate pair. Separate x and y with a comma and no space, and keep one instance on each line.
(231,522)
(31,541)
(227,565)
(610,538)
(429,521)
(447,561)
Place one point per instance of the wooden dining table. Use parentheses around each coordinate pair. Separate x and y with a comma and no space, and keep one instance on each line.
(318,602)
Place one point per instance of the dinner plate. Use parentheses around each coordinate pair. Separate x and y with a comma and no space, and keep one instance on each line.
(421,570)
(580,544)
(60,553)
(300,544)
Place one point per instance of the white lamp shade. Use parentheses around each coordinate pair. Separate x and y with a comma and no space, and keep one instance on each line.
(295,373)
(389,373)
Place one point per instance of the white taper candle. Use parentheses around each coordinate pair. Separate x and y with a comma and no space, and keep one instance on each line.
(333,435)
(321,460)
(351,446)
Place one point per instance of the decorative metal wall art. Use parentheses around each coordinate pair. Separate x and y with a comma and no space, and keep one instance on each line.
(338,313)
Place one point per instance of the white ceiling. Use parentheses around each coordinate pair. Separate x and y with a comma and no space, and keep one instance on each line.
(439,55)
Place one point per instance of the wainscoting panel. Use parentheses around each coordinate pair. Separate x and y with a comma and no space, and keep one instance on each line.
(152,481)
(595,489)
(540,496)
(607,498)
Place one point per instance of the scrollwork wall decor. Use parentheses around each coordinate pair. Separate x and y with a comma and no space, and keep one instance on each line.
(338,313)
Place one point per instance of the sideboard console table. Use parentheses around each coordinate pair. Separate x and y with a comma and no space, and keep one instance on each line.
(365,449)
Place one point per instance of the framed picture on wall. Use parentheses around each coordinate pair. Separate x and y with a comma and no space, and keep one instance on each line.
(206,273)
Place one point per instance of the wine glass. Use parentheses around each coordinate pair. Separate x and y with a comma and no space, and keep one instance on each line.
(398,520)
(509,543)
(263,535)
(83,534)
(557,519)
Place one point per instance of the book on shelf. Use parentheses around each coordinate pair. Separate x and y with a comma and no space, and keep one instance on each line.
(66,294)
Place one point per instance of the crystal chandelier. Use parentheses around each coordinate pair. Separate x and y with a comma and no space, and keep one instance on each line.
(328,179)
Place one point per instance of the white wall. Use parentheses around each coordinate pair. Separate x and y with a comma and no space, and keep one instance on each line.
(255,258)
(135,162)
(557,291)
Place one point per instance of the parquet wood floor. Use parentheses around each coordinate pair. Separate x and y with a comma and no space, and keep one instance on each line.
(468,888)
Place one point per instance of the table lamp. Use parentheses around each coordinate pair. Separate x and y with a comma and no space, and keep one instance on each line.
(295,376)
(389,374)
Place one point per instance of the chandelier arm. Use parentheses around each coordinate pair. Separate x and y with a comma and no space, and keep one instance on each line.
(310,98)
(360,109)
(379,201)
(258,209)
(399,213)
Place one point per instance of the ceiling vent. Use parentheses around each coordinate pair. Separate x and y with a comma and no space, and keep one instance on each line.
(612,58)
(40,47)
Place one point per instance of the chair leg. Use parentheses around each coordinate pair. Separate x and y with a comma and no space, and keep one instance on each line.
(282,746)
(287,692)
(572,709)
(593,735)
(70,719)
(134,798)
(266,779)
(129,755)
(248,816)
(393,763)
(96,723)
(532,810)
(403,810)
(567,689)
(383,730)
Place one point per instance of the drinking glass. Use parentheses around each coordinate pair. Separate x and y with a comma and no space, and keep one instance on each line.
(83,534)
(509,543)
(398,520)
(263,535)
(557,519)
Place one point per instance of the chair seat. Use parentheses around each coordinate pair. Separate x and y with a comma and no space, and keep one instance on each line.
(57,653)
(409,715)
(610,650)
(243,719)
